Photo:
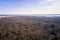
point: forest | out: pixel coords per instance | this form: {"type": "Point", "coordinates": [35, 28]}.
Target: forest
{"type": "Point", "coordinates": [29, 28]}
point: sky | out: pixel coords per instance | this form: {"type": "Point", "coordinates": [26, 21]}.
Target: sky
{"type": "Point", "coordinates": [29, 6]}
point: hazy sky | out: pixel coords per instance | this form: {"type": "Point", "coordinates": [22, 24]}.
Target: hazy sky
{"type": "Point", "coordinates": [29, 6]}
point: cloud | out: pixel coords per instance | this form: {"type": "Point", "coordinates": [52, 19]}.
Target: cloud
{"type": "Point", "coordinates": [50, 0]}
{"type": "Point", "coordinates": [46, 9]}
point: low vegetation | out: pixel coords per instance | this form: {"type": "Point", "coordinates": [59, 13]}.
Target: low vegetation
{"type": "Point", "coordinates": [30, 28]}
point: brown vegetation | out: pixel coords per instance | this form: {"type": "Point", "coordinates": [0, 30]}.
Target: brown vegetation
{"type": "Point", "coordinates": [29, 28]}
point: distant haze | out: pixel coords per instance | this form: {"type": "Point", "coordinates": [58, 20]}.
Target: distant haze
{"type": "Point", "coordinates": [38, 15]}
